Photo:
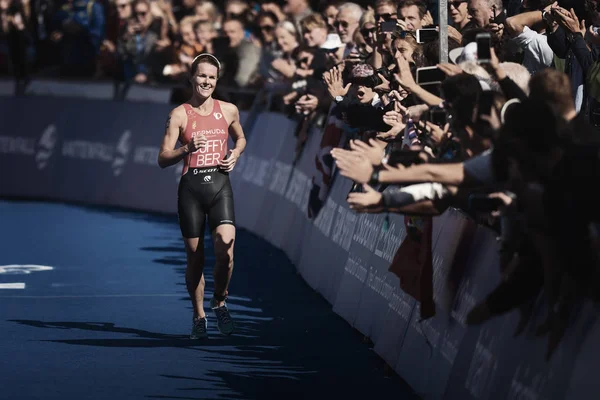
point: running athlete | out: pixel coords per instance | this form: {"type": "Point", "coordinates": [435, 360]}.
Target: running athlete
{"type": "Point", "coordinates": [203, 126]}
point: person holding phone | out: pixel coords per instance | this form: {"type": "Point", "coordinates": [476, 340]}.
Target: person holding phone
{"type": "Point", "coordinates": [488, 14]}
{"type": "Point", "coordinates": [203, 126]}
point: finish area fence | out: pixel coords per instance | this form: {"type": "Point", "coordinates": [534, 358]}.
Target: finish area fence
{"type": "Point", "coordinates": [104, 152]}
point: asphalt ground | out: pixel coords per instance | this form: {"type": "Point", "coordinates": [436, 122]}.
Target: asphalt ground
{"type": "Point", "coordinates": [109, 317]}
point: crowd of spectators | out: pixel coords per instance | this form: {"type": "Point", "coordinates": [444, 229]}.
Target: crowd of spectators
{"type": "Point", "coordinates": [507, 132]}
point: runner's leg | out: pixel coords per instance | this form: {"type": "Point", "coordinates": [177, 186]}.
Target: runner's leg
{"type": "Point", "coordinates": [223, 240]}
{"type": "Point", "coordinates": [194, 274]}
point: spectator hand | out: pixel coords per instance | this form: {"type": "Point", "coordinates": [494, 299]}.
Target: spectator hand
{"type": "Point", "coordinates": [415, 112]}
{"type": "Point", "coordinates": [368, 202]}
{"type": "Point", "coordinates": [436, 133]}
{"type": "Point", "coordinates": [162, 44]}
{"type": "Point", "coordinates": [307, 104]}
{"type": "Point", "coordinates": [109, 46]}
{"type": "Point", "coordinates": [284, 67]}
{"type": "Point", "coordinates": [506, 199]}
{"type": "Point", "coordinates": [289, 98]}
{"type": "Point", "coordinates": [335, 84]}
{"type": "Point", "coordinates": [56, 36]}
{"type": "Point", "coordinates": [496, 29]}
{"type": "Point", "coordinates": [141, 78]}
{"type": "Point", "coordinates": [353, 165]}
{"type": "Point", "coordinates": [373, 150]}
{"type": "Point", "coordinates": [593, 37]}
{"type": "Point", "coordinates": [185, 59]}
{"type": "Point", "coordinates": [384, 86]}
{"type": "Point", "coordinates": [228, 164]}
{"type": "Point", "coordinates": [404, 77]}
{"type": "Point", "coordinates": [570, 21]}
{"type": "Point", "coordinates": [275, 9]}
{"type": "Point", "coordinates": [427, 19]}
{"type": "Point", "coordinates": [304, 73]}
{"type": "Point", "coordinates": [454, 34]}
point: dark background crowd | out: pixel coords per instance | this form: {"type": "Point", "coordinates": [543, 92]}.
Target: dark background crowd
{"type": "Point", "coordinates": [506, 130]}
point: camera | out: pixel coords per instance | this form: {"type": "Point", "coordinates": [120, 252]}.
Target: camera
{"type": "Point", "coordinates": [438, 116]}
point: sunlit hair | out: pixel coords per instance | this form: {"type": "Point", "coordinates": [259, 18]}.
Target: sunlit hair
{"type": "Point", "coordinates": [313, 21]}
{"type": "Point", "coordinates": [205, 58]}
{"type": "Point", "coordinates": [518, 73]}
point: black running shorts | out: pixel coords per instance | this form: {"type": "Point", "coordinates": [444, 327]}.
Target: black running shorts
{"type": "Point", "coordinates": [204, 192]}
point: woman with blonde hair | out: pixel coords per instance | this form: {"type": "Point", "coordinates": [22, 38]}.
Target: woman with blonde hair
{"type": "Point", "coordinates": [287, 39]}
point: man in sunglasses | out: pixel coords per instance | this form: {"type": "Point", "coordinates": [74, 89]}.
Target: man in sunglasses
{"type": "Point", "coordinates": [346, 23]}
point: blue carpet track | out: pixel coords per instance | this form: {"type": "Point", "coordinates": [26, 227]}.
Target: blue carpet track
{"type": "Point", "coordinates": [110, 319]}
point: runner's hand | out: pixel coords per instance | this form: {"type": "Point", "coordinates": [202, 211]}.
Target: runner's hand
{"type": "Point", "coordinates": [197, 143]}
{"type": "Point", "coordinates": [229, 163]}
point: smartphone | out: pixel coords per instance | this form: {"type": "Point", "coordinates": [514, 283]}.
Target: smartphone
{"type": "Point", "coordinates": [404, 157]}
{"type": "Point", "coordinates": [430, 75]}
{"type": "Point", "coordinates": [438, 116]}
{"type": "Point", "coordinates": [427, 35]}
{"type": "Point", "coordinates": [390, 106]}
{"type": "Point", "coordinates": [486, 102]}
{"type": "Point", "coordinates": [482, 203]}
{"type": "Point", "coordinates": [389, 26]}
{"type": "Point", "coordinates": [484, 45]}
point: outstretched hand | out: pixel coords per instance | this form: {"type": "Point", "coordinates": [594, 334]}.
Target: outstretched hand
{"type": "Point", "coordinates": [371, 201]}
{"type": "Point", "coordinates": [353, 165]}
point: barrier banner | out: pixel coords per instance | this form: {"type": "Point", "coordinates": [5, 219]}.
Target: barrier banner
{"type": "Point", "coordinates": [103, 152]}
{"type": "Point", "coordinates": [92, 151]}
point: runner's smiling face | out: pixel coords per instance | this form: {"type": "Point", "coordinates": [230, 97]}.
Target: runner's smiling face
{"type": "Point", "coordinates": [205, 79]}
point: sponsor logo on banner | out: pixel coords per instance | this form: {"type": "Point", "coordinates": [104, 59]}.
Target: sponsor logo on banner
{"type": "Point", "coordinates": [521, 390]}
{"type": "Point", "coordinates": [484, 365]}
{"type": "Point", "coordinates": [297, 189]}
{"type": "Point", "coordinates": [324, 219]}
{"type": "Point", "coordinates": [45, 147]}
{"type": "Point", "coordinates": [355, 267]}
{"type": "Point", "coordinates": [257, 171]}
{"type": "Point", "coordinates": [17, 145]}
{"type": "Point", "coordinates": [367, 230]}
{"type": "Point", "coordinates": [343, 230]}
{"type": "Point", "coordinates": [281, 176]}
{"type": "Point", "coordinates": [401, 304]}
{"type": "Point", "coordinates": [122, 150]}
{"type": "Point", "coordinates": [41, 150]}
{"type": "Point", "coordinates": [377, 281]}
{"type": "Point", "coordinates": [388, 242]}
{"type": "Point", "coordinates": [117, 155]}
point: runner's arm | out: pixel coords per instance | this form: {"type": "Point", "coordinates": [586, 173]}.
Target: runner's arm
{"type": "Point", "coordinates": [237, 132]}
{"type": "Point", "coordinates": [168, 154]}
